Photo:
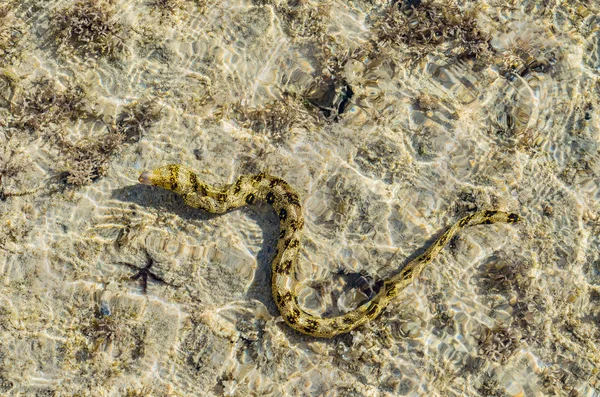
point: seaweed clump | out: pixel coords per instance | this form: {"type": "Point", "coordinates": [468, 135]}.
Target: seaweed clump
{"type": "Point", "coordinates": [44, 107]}
{"type": "Point", "coordinates": [166, 8]}
{"type": "Point", "coordinates": [505, 276]}
{"type": "Point", "coordinates": [498, 343]}
{"type": "Point", "coordinates": [89, 28]}
{"type": "Point", "coordinates": [135, 119]}
{"type": "Point", "coordinates": [428, 27]}
{"type": "Point", "coordinates": [276, 119]}
{"type": "Point", "coordinates": [87, 160]}
{"type": "Point", "coordinates": [11, 32]}
{"type": "Point", "coordinates": [13, 162]}
{"type": "Point", "coordinates": [489, 386]}
{"type": "Point", "coordinates": [46, 103]}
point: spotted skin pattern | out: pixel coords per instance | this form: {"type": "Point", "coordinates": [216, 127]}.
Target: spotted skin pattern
{"type": "Point", "coordinates": [248, 189]}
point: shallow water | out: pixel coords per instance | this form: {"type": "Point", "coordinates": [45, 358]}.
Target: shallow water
{"type": "Point", "coordinates": [390, 123]}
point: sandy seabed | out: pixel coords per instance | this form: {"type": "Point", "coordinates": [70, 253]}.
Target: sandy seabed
{"type": "Point", "coordinates": [391, 119]}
